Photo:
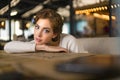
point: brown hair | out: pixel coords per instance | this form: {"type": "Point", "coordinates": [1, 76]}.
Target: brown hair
{"type": "Point", "coordinates": [55, 19]}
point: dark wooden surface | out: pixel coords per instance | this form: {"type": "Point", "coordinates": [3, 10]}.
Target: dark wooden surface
{"type": "Point", "coordinates": [41, 66]}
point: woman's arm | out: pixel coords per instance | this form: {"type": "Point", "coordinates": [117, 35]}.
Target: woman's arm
{"type": "Point", "coordinates": [70, 42]}
{"type": "Point", "coordinates": [50, 48]}
{"type": "Point", "coordinates": [18, 46]}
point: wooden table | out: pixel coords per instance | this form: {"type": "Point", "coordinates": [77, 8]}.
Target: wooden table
{"type": "Point", "coordinates": [42, 66]}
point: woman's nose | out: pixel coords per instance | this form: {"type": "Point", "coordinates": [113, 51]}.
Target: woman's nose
{"type": "Point", "coordinates": [39, 33]}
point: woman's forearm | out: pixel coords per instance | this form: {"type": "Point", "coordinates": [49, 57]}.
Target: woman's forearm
{"type": "Point", "coordinates": [40, 47]}
{"type": "Point", "coordinates": [18, 46]}
{"type": "Point", "coordinates": [50, 48]}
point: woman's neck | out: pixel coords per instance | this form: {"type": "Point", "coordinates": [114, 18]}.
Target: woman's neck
{"type": "Point", "coordinates": [54, 43]}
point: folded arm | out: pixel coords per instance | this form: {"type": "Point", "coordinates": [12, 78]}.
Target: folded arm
{"type": "Point", "coordinates": [50, 48]}
{"type": "Point", "coordinates": [20, 47]}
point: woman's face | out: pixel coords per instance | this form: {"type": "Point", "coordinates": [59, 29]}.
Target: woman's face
{"type": "Point", "coordinates": [43, 32]}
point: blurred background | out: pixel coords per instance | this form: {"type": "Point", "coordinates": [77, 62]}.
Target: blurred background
{"type": "Point", "coordinates": [82, 18]}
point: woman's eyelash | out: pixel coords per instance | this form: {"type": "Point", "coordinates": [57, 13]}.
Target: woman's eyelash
{"type": "Point", "coordinates": [47, 30]}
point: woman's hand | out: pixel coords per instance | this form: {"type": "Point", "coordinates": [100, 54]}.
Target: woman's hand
{"type": "Point", "coordinates": [50, 48]}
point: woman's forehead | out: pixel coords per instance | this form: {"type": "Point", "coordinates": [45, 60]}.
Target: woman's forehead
{"type": "Point", "coordinates": [44, 22]}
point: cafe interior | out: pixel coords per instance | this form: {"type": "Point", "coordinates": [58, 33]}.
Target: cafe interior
{"type": "Point", "coordinates": [95, 24]}
{"type": "Point", "coordinates": [82, 18]}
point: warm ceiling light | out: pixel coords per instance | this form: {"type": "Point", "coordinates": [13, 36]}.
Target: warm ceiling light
{"type": "Point", "coordinates": [102, 16]}
{"type": "Point", "coordinates": [32, 11]}
{"type": "Point", "coordinates": [13, 13]}
{"type": "Point", "coordinates": [6, 8]}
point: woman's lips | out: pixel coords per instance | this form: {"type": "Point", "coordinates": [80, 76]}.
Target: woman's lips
{"type": "Point", "coordinates": [38, 40]}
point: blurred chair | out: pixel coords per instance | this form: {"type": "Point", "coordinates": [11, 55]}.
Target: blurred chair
{"type": "Point", "coordinates": [103, 45]}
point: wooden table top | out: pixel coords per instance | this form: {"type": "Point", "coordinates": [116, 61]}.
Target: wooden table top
{"type": "Point", "coordinates": [43, 65]}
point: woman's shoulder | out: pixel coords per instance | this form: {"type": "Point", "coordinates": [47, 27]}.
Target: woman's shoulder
{"type": "Point", "coordinates": [67, 37]}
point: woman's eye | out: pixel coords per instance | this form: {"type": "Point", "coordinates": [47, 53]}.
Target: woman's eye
{"type": "Point", "coordinates": [46, 31]}
{"type": "Point", "coordinates": [36, 27]}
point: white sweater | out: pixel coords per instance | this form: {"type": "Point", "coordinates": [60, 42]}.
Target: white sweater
{"type": "Point", "coordinates": [66, 41]}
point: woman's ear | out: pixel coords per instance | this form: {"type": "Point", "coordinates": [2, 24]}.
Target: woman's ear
{"type": "Point", "coordinates": [55, 38]}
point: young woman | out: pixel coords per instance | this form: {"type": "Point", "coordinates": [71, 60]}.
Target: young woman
{"type": "Point", "coordinates": [47, 36]}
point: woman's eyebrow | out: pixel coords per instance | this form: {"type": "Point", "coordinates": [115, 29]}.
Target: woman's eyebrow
{"type": "Point", "coordinates": [37, 25]}
{"type": "Point", "coordinates": [44, 27]}
{"type": "Point", "coordinates": [47, 28]}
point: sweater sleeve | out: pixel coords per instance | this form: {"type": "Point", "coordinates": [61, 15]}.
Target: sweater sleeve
{"type": "Point", "coordinates": [69, 42]}
{"type": "Point", "coordinates": [19, 47]}
{"type": "Point", "coordinates": [74, 47]}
